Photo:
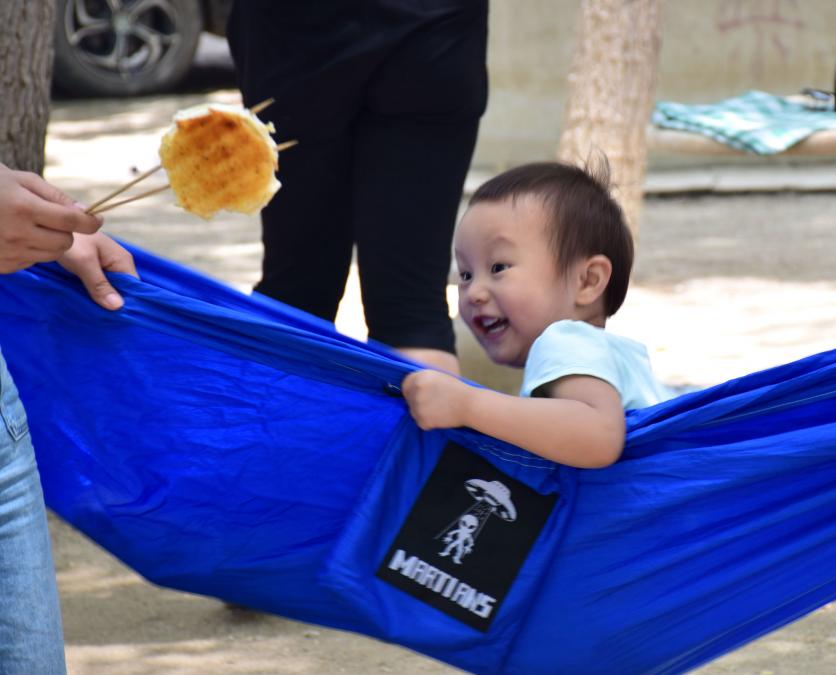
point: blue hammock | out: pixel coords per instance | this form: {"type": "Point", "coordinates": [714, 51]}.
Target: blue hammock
{"type": "Point", "coordinates": [230, 446]}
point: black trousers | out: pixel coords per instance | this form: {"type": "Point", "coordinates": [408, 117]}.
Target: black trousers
{"type": "Point", "coordinates": [384, 97]}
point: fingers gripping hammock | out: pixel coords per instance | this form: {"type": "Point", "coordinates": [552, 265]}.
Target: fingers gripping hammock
{"type": "Point", "coordinates": [228, 445]}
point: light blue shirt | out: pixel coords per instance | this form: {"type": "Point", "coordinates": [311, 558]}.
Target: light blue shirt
{"type": "Point", "coordinates": [579, 348]}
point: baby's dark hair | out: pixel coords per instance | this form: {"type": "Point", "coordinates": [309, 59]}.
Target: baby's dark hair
{"type": "Point", "coordinates": [585, 219]}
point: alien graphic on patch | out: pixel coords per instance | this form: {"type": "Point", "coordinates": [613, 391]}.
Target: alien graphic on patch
{"type": "Point", "coordinates": [490, 498]}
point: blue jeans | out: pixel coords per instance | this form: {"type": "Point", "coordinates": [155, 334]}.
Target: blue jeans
{"type": "Point", "coordinates": [31, 640]}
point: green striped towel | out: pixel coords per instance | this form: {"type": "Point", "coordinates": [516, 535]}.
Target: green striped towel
{"type": "Point", "coordinates": [755, 121]}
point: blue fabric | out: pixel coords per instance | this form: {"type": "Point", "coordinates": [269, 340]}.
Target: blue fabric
{"type": "Point", "coordinates": [230, 446]}
{"type": "Point", "coordinates": [579, 348]}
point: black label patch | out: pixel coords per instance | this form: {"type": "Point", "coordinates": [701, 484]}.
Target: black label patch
{"type": "Point", "coordinates": [466, 537]}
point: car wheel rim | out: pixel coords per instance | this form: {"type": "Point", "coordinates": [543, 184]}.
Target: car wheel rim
{"type": "Point", "coordinates": [123, 38]}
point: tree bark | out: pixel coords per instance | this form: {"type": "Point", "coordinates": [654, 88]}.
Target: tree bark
{"type": "Point", "coordinates": [612, 85]}
{"type": "Point", "coordinates": [26, 50]}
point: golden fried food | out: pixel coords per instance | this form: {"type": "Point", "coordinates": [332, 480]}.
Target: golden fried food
{"type": "Point", "coordinates": [218, 157]}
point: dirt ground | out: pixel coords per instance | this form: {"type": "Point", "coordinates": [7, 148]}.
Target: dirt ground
{"type": "Point", "coordinates": [724, 285]}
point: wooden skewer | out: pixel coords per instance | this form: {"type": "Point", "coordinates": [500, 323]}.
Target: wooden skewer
{"type": "Point", "coordinates": [92, 208]}
{"type": "Point", "coordinates": [286, 145]}
{"type": "Point", "coordinates": [113, 205]}
{"type": "Point", "coordinates": [258, 107]}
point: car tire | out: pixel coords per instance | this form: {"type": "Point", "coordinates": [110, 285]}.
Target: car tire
{"type": "Point", "coordinates": [146, 47]}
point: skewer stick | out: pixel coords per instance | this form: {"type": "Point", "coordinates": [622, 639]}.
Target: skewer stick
{"type": "Point", "coordinates": [92, 208]}
{"type": "Point", "coordinates": [142, 195]}
{"type": "Point", "coordinates": [258, 107]}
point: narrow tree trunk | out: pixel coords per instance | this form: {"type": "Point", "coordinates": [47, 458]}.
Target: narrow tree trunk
{"type": "Point", "coordinates": [26, 47]}
{"type": "Point", "coordinates": [611, 92]}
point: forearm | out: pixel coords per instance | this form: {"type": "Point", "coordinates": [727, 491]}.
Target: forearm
{"type": "Point", "coordinates": [563, 430]}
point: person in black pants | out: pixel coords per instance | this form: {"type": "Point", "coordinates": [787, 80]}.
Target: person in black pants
{"type": "Point", "coordinates": [384, 97]}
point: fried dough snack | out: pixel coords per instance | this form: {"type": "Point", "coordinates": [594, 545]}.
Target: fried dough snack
{"type": "Point", "coordinates": [220, 156]}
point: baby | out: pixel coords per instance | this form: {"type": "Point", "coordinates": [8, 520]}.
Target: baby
{"type": "Point", "coordinates": [544, 258]}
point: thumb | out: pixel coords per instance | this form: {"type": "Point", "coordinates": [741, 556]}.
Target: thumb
{"type": "Point", "coordinates": [43, 189]}
{"type": "Point", "coordinates": [99, 288]}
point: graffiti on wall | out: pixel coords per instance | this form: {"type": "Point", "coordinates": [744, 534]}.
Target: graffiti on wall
{"type": "Point", "coordinates": [761, 31]}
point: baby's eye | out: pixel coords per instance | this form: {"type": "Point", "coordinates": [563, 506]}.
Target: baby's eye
{"type": "Point", "coordinates": [496, 268]}
{"type": "Point", "coordinates": [465, 276]}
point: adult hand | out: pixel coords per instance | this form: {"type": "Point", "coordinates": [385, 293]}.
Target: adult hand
{"type": "Point", "coordinates": [88, 258]}
{"type": "Point", "coordinates": [37, 220]}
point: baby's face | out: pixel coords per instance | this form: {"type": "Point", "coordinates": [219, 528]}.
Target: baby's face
{"type": "Point", "coordinates": [509, 286]}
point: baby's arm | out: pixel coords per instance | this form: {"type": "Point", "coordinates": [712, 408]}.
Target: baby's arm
{"type": "Point", "coordinates": [579, 423]}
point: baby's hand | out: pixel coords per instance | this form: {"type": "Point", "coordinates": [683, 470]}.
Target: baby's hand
{"type": "Point", "coordinates": [436, 400]}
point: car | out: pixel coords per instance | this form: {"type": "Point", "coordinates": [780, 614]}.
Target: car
{"type": "Point", "coordinates": [130, 47]}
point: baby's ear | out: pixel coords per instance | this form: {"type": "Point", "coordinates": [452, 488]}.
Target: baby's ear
{"type": "Point", "coordinates": [594, 276]}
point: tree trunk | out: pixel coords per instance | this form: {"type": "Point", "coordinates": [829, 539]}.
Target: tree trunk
{"type": "Point", "coordinates": [611, 92]}
{"type": "Point", "coordinates": [26, 47]}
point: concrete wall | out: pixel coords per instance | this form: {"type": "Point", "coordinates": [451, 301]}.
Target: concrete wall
{"type": "Point", "coordinates": [711, 49]}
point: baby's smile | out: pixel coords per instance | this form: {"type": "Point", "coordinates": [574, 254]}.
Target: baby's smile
{"type": "Point", "coordinates": [490, 325]}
